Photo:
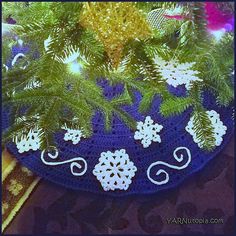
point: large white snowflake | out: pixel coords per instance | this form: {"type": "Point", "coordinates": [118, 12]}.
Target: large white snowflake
{"type": "Point", "coordinates": [73, 135]}
{"type": "Point", "coordinates": [30, 141]}
{"type": "Point", "coordinates": [217, 124]}
{"type": "Point", "coordinates": [147, 132]}
{"type": "Point", "coordinates": [176, 73]}
{"type": "Point", "coordinates": [115, 170]}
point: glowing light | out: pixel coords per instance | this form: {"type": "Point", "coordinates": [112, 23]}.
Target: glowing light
{"type": "Point", "coordinates": [8, 28]}
{"type": "Point", "coordinates": [75, 67]}
{"type": "Point", "coordinates": [71, 58]}
{"type": "Point", "coordinates": [47, 43]}
{"type": "Point", "coordinates": [218, 34]}
{"type": "Point", "coordinates": [20, 42]}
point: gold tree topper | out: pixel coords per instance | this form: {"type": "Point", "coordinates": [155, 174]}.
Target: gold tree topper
{"type": "Point", "coordinates": [115, 23]}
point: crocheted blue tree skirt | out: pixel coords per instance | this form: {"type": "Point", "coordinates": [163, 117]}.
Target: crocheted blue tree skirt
{"type": "Point", "coordinates": [173, 135]}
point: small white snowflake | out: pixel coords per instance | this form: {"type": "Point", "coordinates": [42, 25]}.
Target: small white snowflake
{"type": "Point", "coordinates": [217, 124]}
{"type": "Point", "coordinates": [115, 170]}
{"type": "Point", "coordinates": [176, 73]}
{"type": "Point", "coordinates": [73, 135]}
{"type": "Point", "coordinates": [148, 132]}
{"type": "Point", "coordinates": [30, 141]}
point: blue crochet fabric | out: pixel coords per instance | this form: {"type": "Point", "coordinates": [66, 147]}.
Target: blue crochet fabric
{"type": "Point", "coordinates": [173, 135]}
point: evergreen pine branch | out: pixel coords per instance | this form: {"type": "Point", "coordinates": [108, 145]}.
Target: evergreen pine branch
{"type": "Point", "coordinates": [46, 139]}
{"type": "Point", "coordinates": [139, 63]}
{"type": "Point", "coordinates": [82, 97]}
{"type": "Point", "coordinates": [203, 128]}
{"type": "Point", "coordinates": [216, 74]}
{"type": "Point", "coordinates": [49, 120]}
{"type": "Point", "coordinates": [200, 21]}
{"type": "Point", "coordinates": [194, 38]}
{"type": "Point", "coordinates": [17, 128]}
{"type": "Point", "coordinates": [123, 99]}
{"type": "Point", "coordinates": [126, 118]}
{"type": "Point", "coordinates": [175, 105]}
{"type": "Point", "coordinates": [201, 123]}
{"type": "Point", "coordinates": [146, 101]}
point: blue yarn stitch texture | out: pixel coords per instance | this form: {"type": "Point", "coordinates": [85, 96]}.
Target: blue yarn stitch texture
{"type": "Point", "coordinates": [173, 135]}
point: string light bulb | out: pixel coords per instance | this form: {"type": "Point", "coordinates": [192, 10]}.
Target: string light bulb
{"type": "Point", "coordinates": [69, 59]}
{"type": "Point", "coordinates": [20, 42]}
{"type": "Point", "coordinates": [218, 34]}
{"type": "Point", "coordinates": [75, 67]}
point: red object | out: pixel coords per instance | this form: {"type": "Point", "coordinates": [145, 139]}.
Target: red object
{"type": "Point", "coordinates": [176, 17]}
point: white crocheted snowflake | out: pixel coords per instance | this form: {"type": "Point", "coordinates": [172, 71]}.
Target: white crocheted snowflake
{"type": "Point", "coordinates": [147, 132]}
{"type": "Point", "coordinates": [30, 141]}
{"type": "Point", "coordinates": [73, 135]}
{"type": "Point", "coordinates": [176, 73]}
{"type": "Point", "coordinates": [115, 170]}
{"type": "Point", "coordinates": [217, 124]}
